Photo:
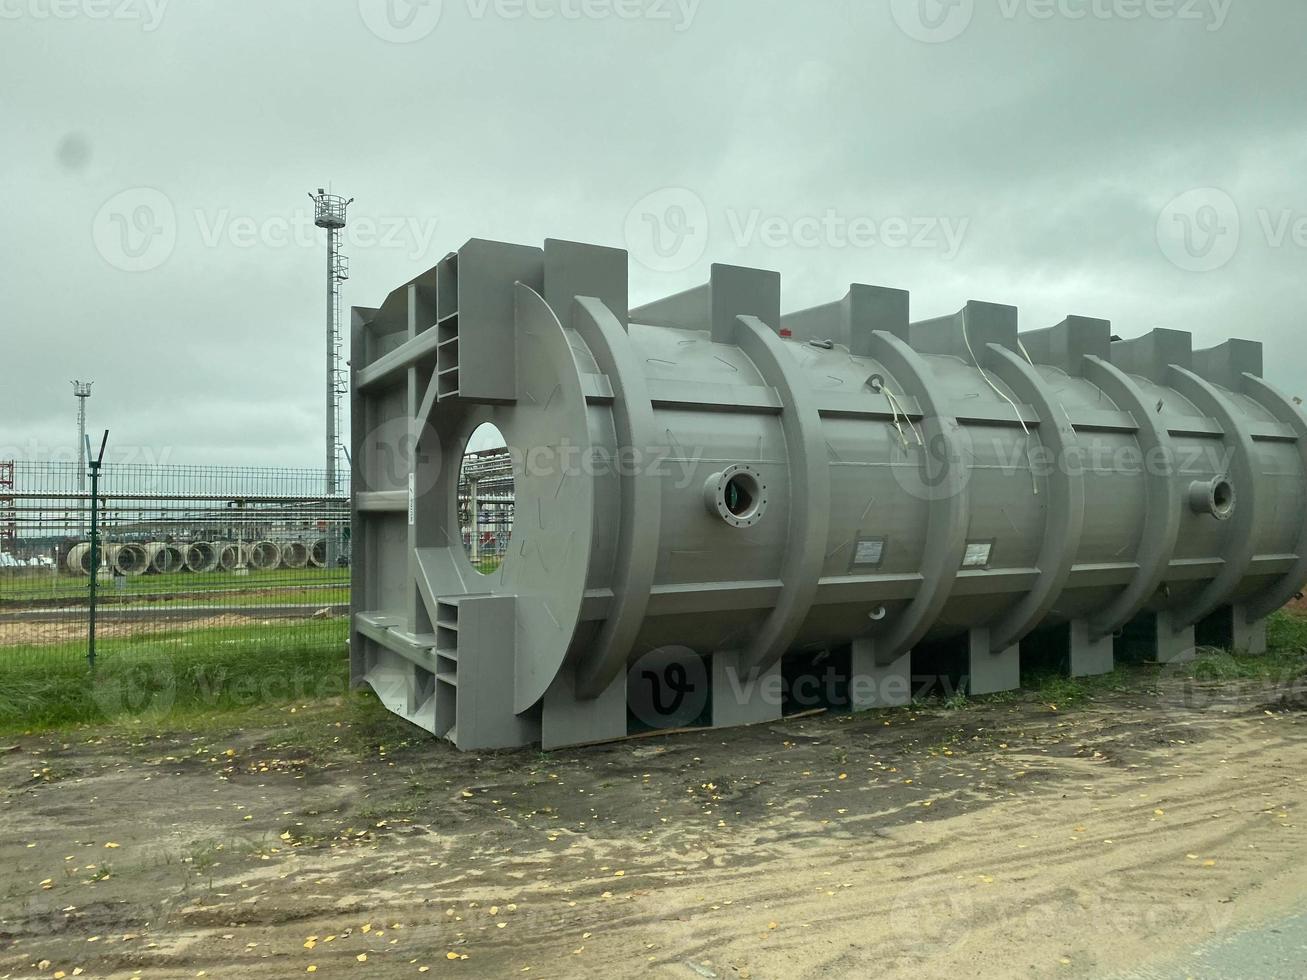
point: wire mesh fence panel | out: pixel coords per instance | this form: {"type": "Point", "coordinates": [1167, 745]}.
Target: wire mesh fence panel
{"type": "Point", "coordinates": [485, 507]}
{"type": "Point", "coordinates": [192, 560]}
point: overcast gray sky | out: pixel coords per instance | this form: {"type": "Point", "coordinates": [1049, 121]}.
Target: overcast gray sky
{"type": "Point", "coordinates": [1137, 160]}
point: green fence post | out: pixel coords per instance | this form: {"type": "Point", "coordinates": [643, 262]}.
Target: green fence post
{"type": "Point", "coordinates": [95, 544]}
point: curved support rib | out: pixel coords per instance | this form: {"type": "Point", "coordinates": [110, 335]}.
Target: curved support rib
{"type": "Point", "coordinates": [1162, 494]}
{"type": "Point", "coordinates": [1238, 555]}
{"type": "Point", "coordinates": [809, 492]}
{"type": "Point", "coordinates": [1275, 596]}
{"type": "Point", "coordinates": [946, 530]}
{"type": "Point", "coordinates": [1065, 505]}
{"type": "Point", "coordinates": [641, 497]}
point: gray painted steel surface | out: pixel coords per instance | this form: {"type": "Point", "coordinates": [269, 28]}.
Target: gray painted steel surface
{"type": "Point", "coordinates": [705, 476]}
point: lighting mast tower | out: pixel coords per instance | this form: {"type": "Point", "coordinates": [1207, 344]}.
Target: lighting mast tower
{"type": "Point", "coordinates": [329, 213]}
{"type": "Point", "coordinates": [82, 391]}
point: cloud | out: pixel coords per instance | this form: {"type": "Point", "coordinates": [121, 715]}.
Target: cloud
{"type": "Point", "coordinates": [1059, 139]}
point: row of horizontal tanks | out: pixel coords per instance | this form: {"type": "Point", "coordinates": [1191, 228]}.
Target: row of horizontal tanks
{"type": "Point", "coordinates": [166, 557]}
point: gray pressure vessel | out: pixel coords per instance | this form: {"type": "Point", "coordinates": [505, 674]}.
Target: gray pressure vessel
{"type": "Point", "coordinates": [704, 487]}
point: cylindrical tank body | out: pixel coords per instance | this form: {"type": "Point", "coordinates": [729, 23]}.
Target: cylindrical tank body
{"type": "Point", "coordinates": [705, 475]}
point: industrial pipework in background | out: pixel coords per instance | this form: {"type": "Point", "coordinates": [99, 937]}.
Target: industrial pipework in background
{"type": "Point", "coordinates": [711, 497]}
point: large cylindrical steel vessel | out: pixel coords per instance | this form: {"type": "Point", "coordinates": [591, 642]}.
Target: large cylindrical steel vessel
{"type": "Point", "coordinates": [705, 484]}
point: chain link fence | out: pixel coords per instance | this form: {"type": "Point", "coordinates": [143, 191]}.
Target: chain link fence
{"type": "Point", "coordinates": [189, 556]}
{"type": "Point", "coordinates": [215, 586]}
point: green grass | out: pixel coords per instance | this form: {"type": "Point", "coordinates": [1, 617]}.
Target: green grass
{"type": "Point", "coordinates": [173, 677]}
{"type": "Point", "coordinates": [223, 677]}
{"type": "Point", "coordinates": [1286, 634]}
{"type": "Point", "coordinates": [1284, 660]}
{"type": "Point", "coordinates": [37, 584]}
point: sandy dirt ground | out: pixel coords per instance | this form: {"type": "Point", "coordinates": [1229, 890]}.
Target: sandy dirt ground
{"type": "Point", "coordinates": [72, 629]}
{"type": "Point", "coordinates": [1017, 839]}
